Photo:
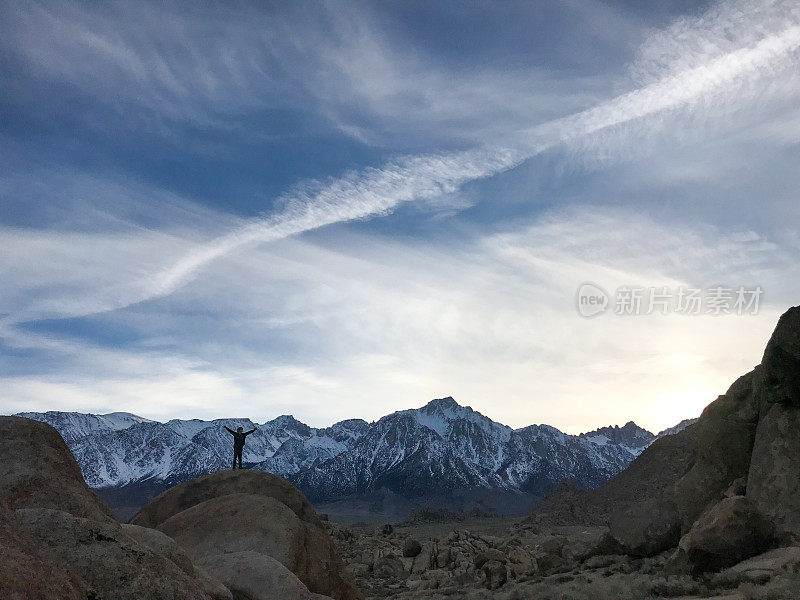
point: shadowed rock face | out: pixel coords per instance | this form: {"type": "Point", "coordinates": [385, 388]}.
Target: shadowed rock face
{"type": "Point", "coordinates": [779, 381]}
{"type": "Point", "coordinates": [725, 534]}
{"type": "Point", "coordinates": [647, 528]}
{"type": "Point", "coordinates": [107, 559]}
{"type": "Point", "coordinates": [250, 512]}
{"type": "Point", "coordinates": [655, 470]}
{"type": "Point", "coordinates": [26, 572]}
{"type": "Point", "coordinates": [774, 477]}
{"type": "Point", "coordinates": [750, 434]}
{"type": "Point", "coordinates": [773, 483]}
{"type": "Point", "coordinates": [60, 534]}
{"type": "Point", "coordinates": [256, 576]}
{"type": "Point", "coordinates": [38, 470]}
{"type": "Point", "coordinates": [724, 437]}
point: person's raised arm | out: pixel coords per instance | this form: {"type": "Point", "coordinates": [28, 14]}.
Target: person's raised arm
{"type": "Point", "coordinates": [251, 431]}
{"type": "Point", "coordinates": [229, 429]}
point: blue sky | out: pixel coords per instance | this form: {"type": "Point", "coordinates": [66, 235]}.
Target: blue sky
{"type": "Point", "coordinates": [344, 209]}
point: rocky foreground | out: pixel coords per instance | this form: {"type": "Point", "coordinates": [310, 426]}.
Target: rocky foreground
{"type": "Point", "coordinates": [555, 563]}
{"type": "Point", "coordinates": [232, 535]}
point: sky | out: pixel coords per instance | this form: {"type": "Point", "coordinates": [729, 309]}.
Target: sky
{"type": "Point", "coordinates": [338, 209]}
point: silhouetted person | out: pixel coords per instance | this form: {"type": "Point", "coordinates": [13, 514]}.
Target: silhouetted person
{"type": "Point", "coordinates": [238, 443]}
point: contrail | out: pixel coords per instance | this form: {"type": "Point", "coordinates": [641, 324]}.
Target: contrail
{"type": "Point", "coordinates": [376, 192]}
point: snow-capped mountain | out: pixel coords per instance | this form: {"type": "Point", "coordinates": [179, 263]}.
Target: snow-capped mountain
{"type": "Point", "coordinates": [433, 451]}
{"type": "Point", "coordinates": [629, 435]}
{"type": "Point", "coordinates": [119, 449]}
{"type": "Point", "coordinates": [73, 425]}
{"type": "Point", "coordinates": [443, 447]}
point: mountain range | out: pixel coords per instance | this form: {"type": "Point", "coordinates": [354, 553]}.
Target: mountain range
{"type": "Point", "coordinates": [433, 454]}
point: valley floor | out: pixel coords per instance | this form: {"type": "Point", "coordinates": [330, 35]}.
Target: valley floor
{"type": "Point", "coordinates": [500, 559]}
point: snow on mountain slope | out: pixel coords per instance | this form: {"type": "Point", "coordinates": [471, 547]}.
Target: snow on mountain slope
{"type": "Point", "coordinates": [73, 425]}
{"type": "Point", "coordinates": [296, 454]}
{"type": "Point", "coordinates": [437, 450]}
{"type": "Point", "coordinates": [676, 429]}
{"type": "Point", "coordinates": [630, 435]}
{"type": "Point", "coordinates": [539, 456]}
{"type": "Point", "coordinates": [143, 451]}
{"type": "Point", "coordinates": [121, 448]}
{"type": "Point", "coordinates": [444, 447]}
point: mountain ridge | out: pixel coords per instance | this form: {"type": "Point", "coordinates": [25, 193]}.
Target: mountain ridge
{"type": "Point", "coordinates": [436, 451]}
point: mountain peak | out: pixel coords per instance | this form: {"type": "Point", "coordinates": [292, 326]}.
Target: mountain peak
{"type": "Point", "coordinates": [629, 434]}
{"type": "Point", "coordinates": [443, 403]}
{"type": "Point", "coordinates": [284, 419]}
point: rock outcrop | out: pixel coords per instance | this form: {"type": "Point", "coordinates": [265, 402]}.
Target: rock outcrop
{"type": "Point", "coordinates": [724, 535]}
{"type": "Point", "coordinates": [253, 530]}
{"type": "Point", "coordinates": [37, 470]}
{"type": "Point", "coordinates": [724, 437]}
{"type": "Point", "coordinates": [691, 487]}
{"type": "Point", "coordinates": [27, 572]}
{"type": "Point", "coordinates": [773, 484]}
{"type": "Point", "coordinates": [166, 546]}
{"type": "Point", "coordinates": [250, 512]}
{"type": "Point", "coordinates": [655, 470]}
{"type": "Point", "coordinates": [257, 576]}
{"type": "Point", "coordinates": [196, 491]}
{"type": "Point", "coordinates": [60, 541]}
{"type": "Point", "coordinates": [109, 561]}
{"type": "Point", "coordinates": [411, 548]}
{"type": "Point", "coordinates": [647, 528]}
{"type": "Point", "coordinates": [766, 565]}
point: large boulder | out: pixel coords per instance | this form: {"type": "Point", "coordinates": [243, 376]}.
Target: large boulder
{"type": "Point", "coordinates": [111, 563]}
{"type": "Point", "coordinates": [767, 565]}
{"type": "Point", "coordinates": [61, 540]}
{"type": "Point", "coordinates": [160, 543]}
{"type": "Point", "coordinates": [257, 523]}
{"type": "Point", "coordinates": [647, 528]}
{"type": "Point", "coordinates": [164, 545]}
{"type": "Point", "coordinates": [255, 576]}
{"type": "Point", "coordinates": [724, 436]}
{"type": "Point", "coordinates": [238, 523]}
{"type": "Point", "coordinates": [411, 548]}
{"type": "Point", "coordinates": [779, 380]}
{"type": "Point", "coordinates": [27, 572]}
{"type": "Point", "coordinates": [773, 483]}
{"type": "Point", "coordinates": [37, 470]}
{"type": "Point", "coordinates": [591, 542]}
{"type": "Point", "coordinates": [196, 491]}
{"type": "Point", "coordinates": [724, 535]}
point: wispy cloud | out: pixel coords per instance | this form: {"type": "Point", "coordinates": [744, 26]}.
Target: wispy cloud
{"type": "Point", "coordinates": [378, 191]}
{"type": "Point", "coordinates": [374, 325]}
